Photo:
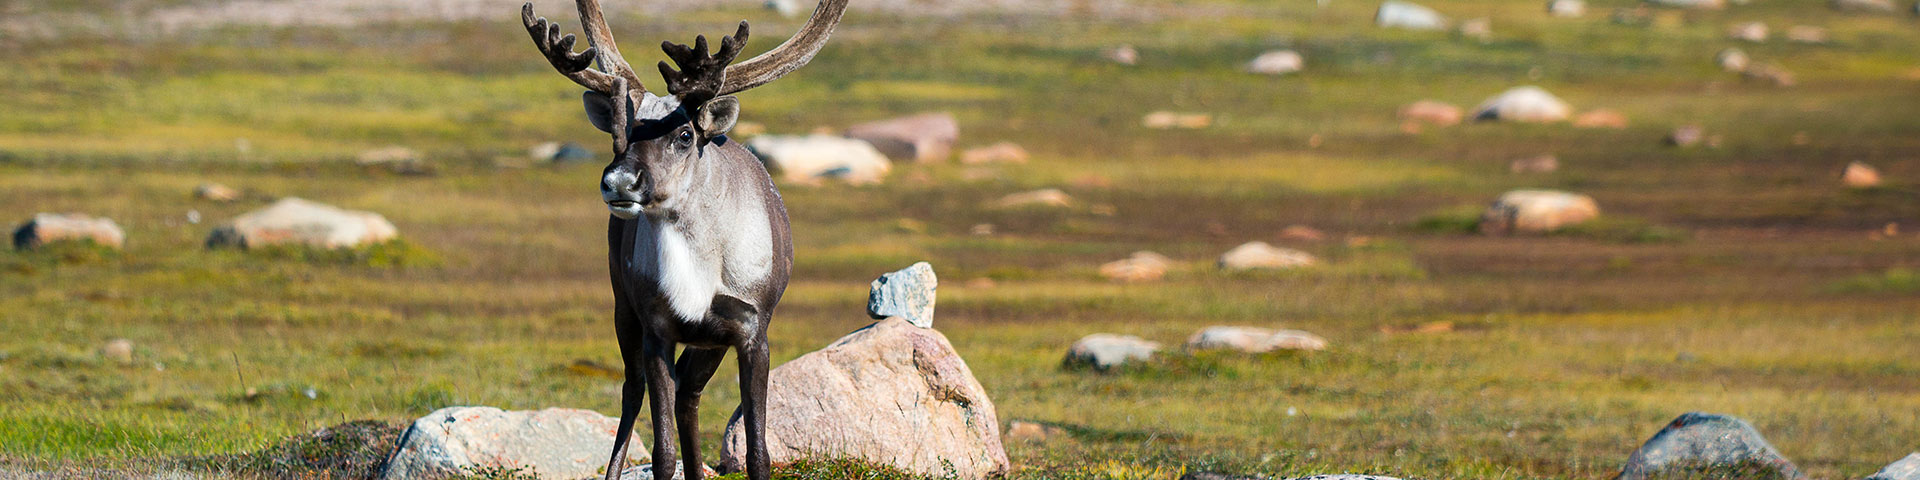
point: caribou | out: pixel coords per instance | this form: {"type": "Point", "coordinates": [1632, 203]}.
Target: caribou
{"type": "Point", "coordinates": [698, 243]}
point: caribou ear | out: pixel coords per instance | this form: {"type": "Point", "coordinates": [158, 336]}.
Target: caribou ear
{"type": "Point", "coordinates": [716, 116]}
{"type": "Point", "coordinates": [599, 110]}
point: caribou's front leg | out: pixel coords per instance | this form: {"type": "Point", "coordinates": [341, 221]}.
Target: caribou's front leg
{"type": "Point", "coordinates": [633, 390]}
{"type": "Point", "coordinates": [753, 401]}
{"type": "Point", "coordinates": [696, 366]}
{"type": "Point", "coordinates": [657, 358]}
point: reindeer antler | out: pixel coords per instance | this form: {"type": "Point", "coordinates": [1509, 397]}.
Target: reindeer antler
{"type": "Point", "coordinates": [701, 76]}
{"type": "Point", "coordinates": [617, 81]}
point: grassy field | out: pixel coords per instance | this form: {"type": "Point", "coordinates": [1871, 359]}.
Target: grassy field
{"type": "Point", "coordinates": [1740, 279]}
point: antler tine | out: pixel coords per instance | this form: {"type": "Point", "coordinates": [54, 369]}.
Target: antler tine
{"type": "Point", "coordinates": [701, 75]}
{"type": "Point", "coordinates": [789, 56]}
{"type": "Point", "coordinates": [576, 66]}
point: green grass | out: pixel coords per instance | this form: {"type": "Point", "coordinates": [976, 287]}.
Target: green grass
{"type": "Point", "coordinates": [1741, 279]}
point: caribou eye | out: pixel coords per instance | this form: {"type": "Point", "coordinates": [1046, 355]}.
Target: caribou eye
{"type": "Point", "coordinates": [686, 137]}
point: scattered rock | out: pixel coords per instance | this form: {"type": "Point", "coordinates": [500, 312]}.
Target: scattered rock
{"type": "Point", "coordinates": [927, 137]}
{"type": "Point", "coordinates": [1253, 340]}
{"type": "Point", "coordinates": [1536, 211]}
{"type": "Point", "coordinates": [1428, 327]}
{"type": "Point", "coordinates": [1535, 164]}
{"type": "Point", "coordinates": [1860, 175]}
{"type": "Point", "coordinates": [1686, 136]}
{"type": "Point", "coordinates": [1864, 6]}
{"type": "Point", "coordinates": [1399, 14]}
{"type": "Point", "coordinates": [1808, 34]}
{"type": "Point", "coordinates": [1032, 432]}
{"type": "Point", "coordinates": [215, 192]}
{"type": "Point", "coordinates": [1431, 112]}
{"type": "Point", "coordinates": [1770, 73]}
{"type": "Point", "coordinates": [1732, 60]}
{"type": "Point", "coordinates": [1706, 441]}
{"type": "Point", "coordinates": [1749, 31]}
{"type": "Point", "coordinates": [1123, 54]}
{"type": "Point", "coordinates": [118, 350]}
{"type": "Point", "coordinates": [1691, 4]}
{"type": "Point", "coordinates": [1277, 62]}
{"type": "Point", "coordinates": [811, 158]}
{"type": "Point", "coordinates": [397, 159]}
{"type": "Point", "coordinates": [1302, 233]}
{"type": "Point", "coordinates": [747, 130]}
{"type": "Point", "coordinates": [1601, 118]}
{"type": "Point", "coordinates": [1003, 152]}
{"type": "Point", "coordinates": [1260, 255]}
{"type": "Point", "coordinates": [45, 228]}
{"type": "Point", "coordinates": [1477, 28]}
{"type": "Point", "coordinates": [645, 472]}
{"type": "Point", "coordinates": [1103, 351]}
{"type": "Point", "coordinates": [907, 293]}
{"type": "Point", "coordinates": [1164, 120]}
{"type": "Point", "coordinates": [1567, 8]}
{"type": "Point", "coordinates": [1523, 104]}
{"type": "Point", "coordinates": [1045, 197]}
{"type": "Point", "coordinates": [552, 443]}
{"type": "Point", "coordinates": [1143, 266]}
{"type": "Point", "coordinates": [786, 9]}
{"type": "Point", "coordinates": [294, 221]}
{"type": "Point", "coordinates": [981, 229]}
{"type": "Point", "coordinates": [1904, 469]}
{"type": "Point", "coordinates": [889, 393]}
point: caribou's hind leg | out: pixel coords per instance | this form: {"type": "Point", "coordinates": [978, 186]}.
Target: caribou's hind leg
{"type": "Point", "coordinates": [695, 367]}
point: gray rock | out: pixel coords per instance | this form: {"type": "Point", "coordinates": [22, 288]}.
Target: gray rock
{"type": "Point", "coordinates": [553, 443]}
{"type": "Point", "coordinates": [1523, 104]}
{"type": "Point", "coordinates": [294, 221]}
{"type": "Point", "coordinates": [1536, 211]}
{"type": "Point", "coordinates": [1905, 469]}
{"type": "Point", "coordinates": [812, 158]}
{"type": "Point", "coordinates": [927, 137]}
{"type": "Point", "coordinates": [1260, 255]}
{"type": "Point", "coordinates": [889, 393]}
{"type": "Point", "coordinates": [1732, 60]}
{"type": "Point", "coordinates": [46, 228]}
{"type": "Point", "coordinates": [1104, 351]}
{"type": "Point", "coordinates": [1398, 14]}
{"type": "Point", "coordinates": [1253, 339]}
{"type": "Point", "coordinates": [1698, 440]}
{"type": "Point", "coordinates": [1686, 136]}
{"type": "Point", "coordinates": [907, 293]}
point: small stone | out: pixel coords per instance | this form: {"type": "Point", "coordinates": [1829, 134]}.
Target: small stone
{"type": "Point", "coordinates": [1748, 31]}
{"type": "Point", "coordinates": [1732, 60]}
{"type": "Point", "coordinates": [1536, 211]}
{"type": "Point", "coordinates": [1166, 120]}
{"type": "Point", "coordinates": [1523, 104]}
{"type": "Point", "coordinates": [1003, 152]}
{"type": "Point", "coordinates": [1535, 164]}
{"type": "Point", "coordinates": [1770, 73]}
{"type": "Point", "coordinates": [551, 443]}
{"type": "Point", "coordinates": [981, 283]}
{"type": "Point", "coordinates": [1399, 14]}
{"type": "Point", "coordinates": [1103, 351]}
{"type": "Point", "coordinates": [1431, 112]}
{"type": "Point", "coordinates": [1260, 255]}
{"type": "Point", "coordinates": [1302, 233]}
{"type": "Point", "coordinates": [1904, 469]}
{"type": "Point", "coordinates": [1860, 175]}
{"type": "Point", "coordinates": [1123, 54]}
{"type": "Point", "coordinates": [1567, 8]}
{"type": "Point", "coordinates": [1253, 340]}
{"type": "Point", "coordinates": [1277, 62]}
{"type": "Point", "coordinates": [45, 228]}
{"type": "Point", "coordinates": [924, 138]}
{"type": "Point", "coordinates": [1865, 6]}
{"type": "Point", "coordinates": [907, 293]}
{"type": "Point", "coordinates": [396, 158]}
{"type": "Point", "coordinates": [1601, 118]}
{"type": "Point", "coordinates": [1705, 441]}
{"type": "Point", "coordinates": [1477, 28]}
{"type": "Point", "coordinates": [981, 229]}
{"type": "Point", "coordinates": [1808, 34]}
{"type": "Point", "coordinates": [118, 350]}
{"type": "Point", "coordinates": [294, 221]}
{"type": "Point", "coordinates": [1143, 266]}
{"type": "Point", "coordinates": [1045, 197]}
{"type": "Point", "coordinates": [215, 192]}
{"type": "Point", "coordinates": [1686, 136]}
{"type": "Point", "coordinates": [813, 158]}
{"type": "Point", "coordinates": [1026, 431]}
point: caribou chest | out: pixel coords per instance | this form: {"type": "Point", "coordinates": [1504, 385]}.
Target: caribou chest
{"type": "Point", "coordinates": [688, 266]}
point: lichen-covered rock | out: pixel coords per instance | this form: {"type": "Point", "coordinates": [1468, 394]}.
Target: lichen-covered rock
{"type": "Point", "coordinates": [890, 393]}
{"type": "Point", "coordinates": [46, 228]}
{"type": "Point", "coordinates": [1537, 211]}
{"type": "Point", "coordinates": [1704, 441]}
{"type": "Point", "coordinates": [1904, 469]}
{"type": "Point", "coordinates": [293, 221]}
{"type": "Point", "coordinates": [908, 293]}
{"type": "Point", "coordinates": [552, 443]}
{"type": "Point", "coordinates": [926, 137]}
{"type": "Point", "coordinates": [1253, 339]}
{"type": "Point", "coordinates": [1523, 104]}
{"type": "Point", "coordinates": [1260, 255]}
{"type": "Point", "coordinates": [812, 158]}
{"type": "Point", "coordinates": [1103, 351]}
